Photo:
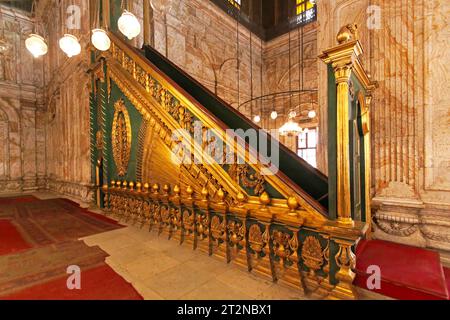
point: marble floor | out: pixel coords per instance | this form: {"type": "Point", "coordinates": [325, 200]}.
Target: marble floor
{"type": "Point", "coordinates": [162, 269]}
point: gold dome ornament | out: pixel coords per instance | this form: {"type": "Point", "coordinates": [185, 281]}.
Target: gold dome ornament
{"type": "Point", "coordinates": [220, 195]}
{"type": "Point", "coordinates": [265, 200]}
{"type": "Point", "coordinates": [241, 198]}
{"type": "Point", "coordinates": [166, 189]}
{"type": "Point", "coordinates": [155, 188]}
{"type": "Point", "coordinates": [138, 187]}
{"type": "Point", "coordinates": [131, 185]}
{"type": "Point", "coordinates": [347, 33]}
{"type": "Point", "coordinates": [177, 190]}
{"type": "Point", "coordinates": [146, 187]}
{"type": "Point", "coordinates": [292, 205]}
{"type": "Point", "coordinates": [205, 193]}
{"type": "Point", "coordinates": [113, 183]}
{"type": "Point", "coordinates": [124, 184]}
{"type": "Point", "coordinates": [189, 191]}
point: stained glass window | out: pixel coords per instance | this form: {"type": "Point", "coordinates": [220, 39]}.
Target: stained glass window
{"type": "Point", "coordinates": [307, 146]}
{"type": "Point", "coordinates": [235, 3]}
{"type": "Point", "coordinates": [305, 11]}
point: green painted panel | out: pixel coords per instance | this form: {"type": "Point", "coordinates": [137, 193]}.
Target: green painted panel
{"type": "Point", "coordinates": [136, 122]}
{"type": "Point", "coordinates": [332, 143]}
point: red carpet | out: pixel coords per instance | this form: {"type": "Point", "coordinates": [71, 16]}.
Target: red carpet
{"type": "Point", "coordinates": [39, 240]}
{"type": "Point", "coordinates": [45, 222]}
{"type": "Point", "coordinates": [407, 273]}
{"type": "Point", "coordinates": [11, 239]}
{"type": "Point", "coordinates": [99, 283]}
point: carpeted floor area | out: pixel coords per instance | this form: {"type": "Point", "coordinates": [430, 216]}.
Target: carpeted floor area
{"type": "Point", "coordinates": [39, 240]}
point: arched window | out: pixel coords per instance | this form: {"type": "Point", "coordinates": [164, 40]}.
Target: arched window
{"type": "Point", "coordinates": [305, 11]}
{"type": "Point", "coordinates": [236, 3]}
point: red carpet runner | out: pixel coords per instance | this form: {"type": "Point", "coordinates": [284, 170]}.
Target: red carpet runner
{"type": "Point", "coordinates": [39, 240]}
{"type": "Point", "coordinates": [100, 283]}
{"type": "Point", "coordinates": [407, 273]}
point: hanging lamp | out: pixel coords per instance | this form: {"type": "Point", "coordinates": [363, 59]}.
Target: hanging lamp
{"type": "Point", "coordinates": [290, 128]}
{"type": "Point", "coordinates": [70, 45]}
{"type": "Point", "coordinates": [99, 38]}
{"type": "Point", "coordinates": [128, 24]}
{"type": "Point", "coordinates": [35, 43]}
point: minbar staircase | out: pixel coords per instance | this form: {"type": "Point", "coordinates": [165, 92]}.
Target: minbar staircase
{"type": "Point", "coordinates": [407, 273]}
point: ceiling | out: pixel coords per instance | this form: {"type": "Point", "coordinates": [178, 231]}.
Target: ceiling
{"type": "Point", "coordinates": [24, 5]}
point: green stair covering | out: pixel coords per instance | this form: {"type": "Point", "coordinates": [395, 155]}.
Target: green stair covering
{"type": "Point", "coordinates": [309, 179]}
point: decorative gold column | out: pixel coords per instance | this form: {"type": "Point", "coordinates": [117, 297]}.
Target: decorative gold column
{"type": "Point", "coordinates": [343, 59]}
{"type": "Point", "coordinates": [342, 71]}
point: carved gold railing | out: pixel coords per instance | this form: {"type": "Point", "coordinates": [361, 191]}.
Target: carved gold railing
{"type": "Point", "coordinates": [236, 234]}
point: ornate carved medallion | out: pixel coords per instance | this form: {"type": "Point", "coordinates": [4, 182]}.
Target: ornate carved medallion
{"type": "Point", "coordinates": [121, 137]}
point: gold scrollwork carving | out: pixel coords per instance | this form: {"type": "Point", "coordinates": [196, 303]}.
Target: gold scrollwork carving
{"type": "Point", "coordinates": [241, 174]}
{"type": "Point", "coordinates": [121, 137]}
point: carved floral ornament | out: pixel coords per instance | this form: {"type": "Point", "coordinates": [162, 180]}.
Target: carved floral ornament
{"type": "Point", "coordinates": [312, 254]}
{"type": "Point", "coordinates": [121, 138]}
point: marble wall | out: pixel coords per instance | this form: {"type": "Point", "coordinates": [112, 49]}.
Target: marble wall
{"type": "Point", "coordinates": [22, 141]}
{"type": "Point", "coordinates": [406, 52]}
{"type": "Point", "coordinates": [68, 168]}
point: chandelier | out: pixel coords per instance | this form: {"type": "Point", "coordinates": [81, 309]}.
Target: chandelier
{"type": "Point", "coordinates": [129, 25]}
{"type": "Point", "coordinates": [290, 128]}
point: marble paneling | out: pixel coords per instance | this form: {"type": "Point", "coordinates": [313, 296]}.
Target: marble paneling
{"type": "Point", "coordinates": [20, 97]}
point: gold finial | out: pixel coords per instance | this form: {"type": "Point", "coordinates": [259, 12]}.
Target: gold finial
{"type": "Point", "coordinates": [155, 188]}
{"type": "Point", "coordinates": [205, 193]}
{"type": "Point", "coordinates": [125, 184]}
{"type": "Point", "coordinates": [146, 187]}
{"type": "Point", "coordinates": [166, 189]}
{"type": "Point", "coordinates": [118, 184]}
{"type": "Point", "coordinates": [293, 205]}
{"type": "Point", "coordinates": [113, 183]}
{"type": "Point", "coordinates": [347, 33]}
{"type": "Point", "coordinates": [139, 187]}
{"type": "Point", "coordinates": [131, 185]}
{"type": "Point", "coordinates": [189, 191]}
{"type": "Point", "coordinates": [264, 199]}
{"type": "Point", "coordinates": [177, 190]}
{"type": "Point", "coordinates": [220, 195]}
{"type": "Point", "coordinates": [240, 198]}
{"type": "Point", "coordinates": [105, 187]}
